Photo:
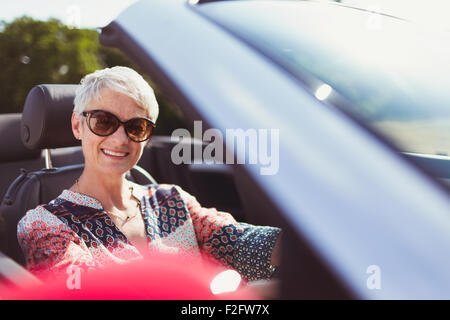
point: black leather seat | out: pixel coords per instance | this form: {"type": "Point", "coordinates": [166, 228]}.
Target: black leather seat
{"type": "Point", "coordinates": [14, 154]}
{"type": "Point", "coordinates": [45, 124]}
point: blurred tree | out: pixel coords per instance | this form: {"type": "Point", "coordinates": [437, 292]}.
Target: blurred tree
{"type": "Point", "coordinates": [34, 52]}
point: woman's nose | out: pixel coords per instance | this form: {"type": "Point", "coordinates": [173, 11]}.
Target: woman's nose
{"type": "Point", "coordinates": [120, 134]}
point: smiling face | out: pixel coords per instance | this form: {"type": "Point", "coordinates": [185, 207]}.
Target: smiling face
{"type": "Point", "coordinates": [114, 154]}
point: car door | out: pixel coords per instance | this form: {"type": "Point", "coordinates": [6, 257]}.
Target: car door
{"type": "Point", "coordinates": [359, 219]}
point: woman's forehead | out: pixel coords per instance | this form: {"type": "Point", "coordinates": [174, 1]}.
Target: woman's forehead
{"type": "Point", "coordinates": [118, 103]}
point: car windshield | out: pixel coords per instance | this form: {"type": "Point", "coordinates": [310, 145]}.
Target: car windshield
{"type": "Point", "coordinates": [392, 73]}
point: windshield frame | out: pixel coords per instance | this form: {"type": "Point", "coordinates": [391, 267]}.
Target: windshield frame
{"type": "Point", "coordinates": [336, 101]}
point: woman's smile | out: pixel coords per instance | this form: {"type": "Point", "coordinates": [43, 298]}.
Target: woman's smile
{"type": "Point", "coordinates": [114, 154]}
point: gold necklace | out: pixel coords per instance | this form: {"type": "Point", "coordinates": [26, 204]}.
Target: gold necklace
{"type": "Point", "coordinates": [128, 218]}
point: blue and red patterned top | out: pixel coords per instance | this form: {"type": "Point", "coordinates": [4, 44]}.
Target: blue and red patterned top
{"type": "Point", "coordinates": [74, 230]}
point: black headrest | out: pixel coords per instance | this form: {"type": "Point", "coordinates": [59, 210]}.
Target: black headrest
{"type": "Point", "coordinates": [10, 141]}
{"type": "Point", "coordinates": [46, 117]}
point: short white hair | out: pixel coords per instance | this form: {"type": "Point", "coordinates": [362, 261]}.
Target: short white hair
{"type": "Point", "coordinates": [119, 79]}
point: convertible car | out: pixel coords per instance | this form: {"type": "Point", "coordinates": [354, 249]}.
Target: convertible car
{"type": "Point", "coordinates": [337, 127]}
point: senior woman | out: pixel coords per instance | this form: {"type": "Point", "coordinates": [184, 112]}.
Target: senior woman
{"type": "Point", "coordinates": [104, 218]}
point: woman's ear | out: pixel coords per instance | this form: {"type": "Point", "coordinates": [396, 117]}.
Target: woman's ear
{"type": "Point", "coordinates": [76, 126]}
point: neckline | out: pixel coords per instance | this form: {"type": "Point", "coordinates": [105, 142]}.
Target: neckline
{"type": "Point", "coordinates": [91, 202]}
{"type": "Point", "coordinates": [81, 199]}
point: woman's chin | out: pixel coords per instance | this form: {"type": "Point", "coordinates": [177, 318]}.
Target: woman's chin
{"type": "Point", "coordinates": [114, 169]}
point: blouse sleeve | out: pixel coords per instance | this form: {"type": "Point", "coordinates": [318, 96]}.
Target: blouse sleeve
{"type": "Point", "coordinates": [49, 245]}
{"type": "Point", "coordinates": [246, 248]}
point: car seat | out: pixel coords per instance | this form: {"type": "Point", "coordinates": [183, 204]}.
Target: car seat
{"type": "Point", "coordinates": [46, 123]}
{"type": "Point", "coordinates": [14, 154]}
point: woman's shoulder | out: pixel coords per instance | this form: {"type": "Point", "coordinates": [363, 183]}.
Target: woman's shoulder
{"type": "Point", "coordinates": [151, 189]}
{"type": "Point", "coordinates": [38, 218]}
{"type": "Point", "coordinates": [163, 192]}
{"type": "Point", "coordinates": [161, 186]}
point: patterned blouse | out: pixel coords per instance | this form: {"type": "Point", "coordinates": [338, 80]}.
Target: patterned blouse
{"type": "Point", "coordinates": [73, 229]}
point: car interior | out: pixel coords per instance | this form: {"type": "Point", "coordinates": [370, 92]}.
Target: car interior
{"type": "Point", "coordinates": [43, 158]}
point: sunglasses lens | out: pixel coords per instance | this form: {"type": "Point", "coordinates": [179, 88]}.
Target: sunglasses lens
{"type": "Point", "coordinates": [102, 123]}
{"type": "Point", "coordinates": [139, 129]}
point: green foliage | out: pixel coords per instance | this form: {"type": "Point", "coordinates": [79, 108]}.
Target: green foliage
{"type": "Point", "coordinates": [34, 52]}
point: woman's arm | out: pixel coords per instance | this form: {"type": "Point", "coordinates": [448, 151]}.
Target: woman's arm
{"type": "Point", "coordinates": [249, 249]}
{"type": "Point", "coordinates": [276, 252]}
{"type": "Point", "coordinates": [49, 245]}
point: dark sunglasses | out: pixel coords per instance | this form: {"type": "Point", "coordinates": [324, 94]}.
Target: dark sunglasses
{"type": "Point", "coordinates": [104, 123]}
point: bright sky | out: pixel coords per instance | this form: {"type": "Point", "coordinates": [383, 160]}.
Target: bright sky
{"type": "Point", "coordinates": [78, 13]}
{"type": "Point", "coordinates": [98, 13]}
{"type": "Point", "coordinates": [434, 12]}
